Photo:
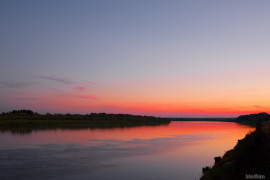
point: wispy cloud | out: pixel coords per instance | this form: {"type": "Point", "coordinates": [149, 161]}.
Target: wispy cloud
{"type": "Point", "coordinates": [57, 79]}
{"type": "Point", "coordinates": [28, 98]}
{"type": "Point", "coordinates": [86, 97]}
{"type": "Point", "coordinates": [15, 85]}
{"type": "Point", "coordinates": [80, 96]}
{"type": "Point", "coordinates": [260, 107]}
{"type": "Point", "coordinates": [92, 83]}
{"type": "Point", "coordinates": [80, 88]}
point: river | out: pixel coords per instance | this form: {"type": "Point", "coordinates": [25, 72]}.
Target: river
{"type": "Point", "coordinates": [175, 151]}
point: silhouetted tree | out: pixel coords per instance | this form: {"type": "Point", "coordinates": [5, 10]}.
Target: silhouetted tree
{"type": "Point", "coordinates": [205, 169]}
{"type": "Point", "coordinates": [217, 159]}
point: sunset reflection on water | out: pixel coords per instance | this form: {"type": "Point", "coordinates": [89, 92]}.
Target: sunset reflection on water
{"type": "Point", "coordinates": [179, 149]}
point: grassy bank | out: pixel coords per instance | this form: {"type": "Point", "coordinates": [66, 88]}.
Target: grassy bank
{"type": "Point", "coordinates": [251, 155]}
{"type": "Point", "coordinates": [24, 121]}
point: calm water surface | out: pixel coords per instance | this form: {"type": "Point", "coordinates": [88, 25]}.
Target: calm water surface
{"type": "Point", "coordinates": [175, 151]}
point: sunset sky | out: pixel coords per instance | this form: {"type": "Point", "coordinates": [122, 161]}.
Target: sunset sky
{"type": "Point", "coordinates": [149, 57]}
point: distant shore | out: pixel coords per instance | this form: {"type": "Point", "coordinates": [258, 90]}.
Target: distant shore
{"type": "Point", "coordinates": [204, 119]}
{"type": "Point", "coordinates": [23, 121]}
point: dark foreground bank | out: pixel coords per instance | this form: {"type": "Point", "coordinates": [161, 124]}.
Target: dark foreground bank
{"type": "Point", "coordinates": [250, 158]}
{"type": "Point", "coordinates": [24, 121]}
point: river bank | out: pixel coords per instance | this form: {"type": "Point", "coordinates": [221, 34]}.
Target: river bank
{"type": "Point", "coordinates": [26, 121]}
{"type": "Point", "coordinates": [250, 158]}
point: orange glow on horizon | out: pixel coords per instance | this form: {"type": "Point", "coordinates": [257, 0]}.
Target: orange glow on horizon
{"type": "Point", "coordinates": [142, 100]}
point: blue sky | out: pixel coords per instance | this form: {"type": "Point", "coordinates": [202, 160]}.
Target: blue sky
{"type": "Point", "coordinates": [187, 46]}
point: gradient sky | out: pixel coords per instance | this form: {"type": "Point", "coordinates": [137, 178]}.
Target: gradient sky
{"type": "Point", "coordinates": [162, 58]}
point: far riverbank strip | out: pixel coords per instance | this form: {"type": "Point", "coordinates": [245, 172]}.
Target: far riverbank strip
{"type": "Point", "coordinates": [26, 121]}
